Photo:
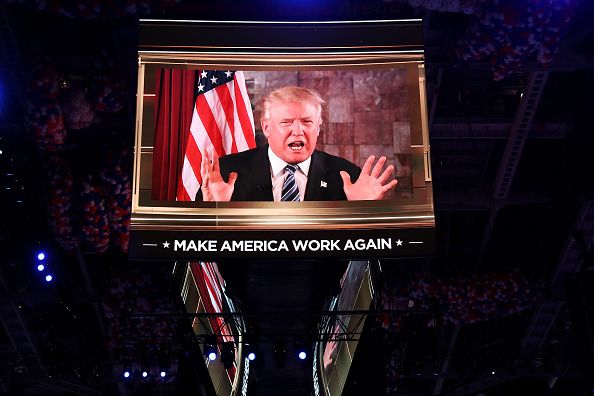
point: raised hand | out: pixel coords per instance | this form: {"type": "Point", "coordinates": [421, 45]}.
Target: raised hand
{"type": "Point", "coordinates": [372, 184]}
{"type": "Point", "coordinates": [214, 188]}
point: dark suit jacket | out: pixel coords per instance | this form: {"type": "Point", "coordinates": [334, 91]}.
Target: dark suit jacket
{"type": "Point", "coordinates": [254, 182]}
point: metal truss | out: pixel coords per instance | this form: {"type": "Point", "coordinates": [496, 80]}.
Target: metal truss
{"type": "Point", "coordinates": [345, 325]}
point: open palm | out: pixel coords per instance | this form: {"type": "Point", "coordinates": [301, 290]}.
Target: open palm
{"type": "Point", "coordinates": [372, 183]}
{"type": "Point", "coordinates": [214, 188]}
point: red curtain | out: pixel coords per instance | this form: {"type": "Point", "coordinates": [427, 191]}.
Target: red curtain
{"type": "Point", "coordinates": [173, 116]}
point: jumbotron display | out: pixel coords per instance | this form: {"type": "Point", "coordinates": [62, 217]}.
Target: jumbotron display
{"type": "Point", "coordinates": [249, 145]}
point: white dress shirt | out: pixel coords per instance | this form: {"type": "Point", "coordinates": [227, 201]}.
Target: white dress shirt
{"type": "Point", "coordinates": [277, 173]}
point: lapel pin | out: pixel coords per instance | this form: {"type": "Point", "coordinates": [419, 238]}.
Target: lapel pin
{"type": "Point", "coordinates": [323, 184]}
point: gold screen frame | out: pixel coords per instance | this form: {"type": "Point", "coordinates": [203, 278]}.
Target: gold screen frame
{"type": "Point", "coordinates": [414, 211]}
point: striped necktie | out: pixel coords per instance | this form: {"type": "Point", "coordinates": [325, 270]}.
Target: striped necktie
{"type": "Point", "coordinates": [290, 189]}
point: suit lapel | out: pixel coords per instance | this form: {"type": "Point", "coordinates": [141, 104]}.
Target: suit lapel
{"type": "Point", "coordinates": [317, 186]}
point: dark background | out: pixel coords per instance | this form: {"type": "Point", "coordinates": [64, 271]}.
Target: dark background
{"type": "Point", "coordinates": [508, 198]}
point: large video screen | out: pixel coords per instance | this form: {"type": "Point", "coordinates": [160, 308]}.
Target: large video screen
{"type": "Point", "coordinates": [306, 153]}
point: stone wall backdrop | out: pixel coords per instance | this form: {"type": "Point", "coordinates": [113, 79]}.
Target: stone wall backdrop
{"type": "Point", "coordinates": [366, 113]}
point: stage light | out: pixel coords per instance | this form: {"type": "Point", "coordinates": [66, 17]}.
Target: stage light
{"type": "Point", "coordinates": [250, 348]}
{"type": "Point", "coordinates": [40, 256]}
{"type": "Point", "coordinates": [300, 349]}
{"type": "Point", "coordinates": [228, 354]}
{"type": "Point", "coordinates": [126, 374]}
{"type": "Point", "coordinates": [492, 372]}
{"type": "Point", "coordinates": [49, 278]}
{"type": "Point", "coordinates": [210, 347]}
{"type": "Point", "coordinates": [164, 361]}
{"type": "Point", "coordinates": [144, 374]}
{"type": "Point", "coordinates": [40, 267]}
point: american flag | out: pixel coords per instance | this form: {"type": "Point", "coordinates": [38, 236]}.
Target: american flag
{"type": "Point", "coordinates": [222, 123]}
{"type": "Point", "coordinates": [209, 284]}
{"type": "Point", "coordinates": [209, 281]}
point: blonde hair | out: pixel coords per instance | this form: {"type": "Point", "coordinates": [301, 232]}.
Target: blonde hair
{"type": "Point", "coordinates": [292, 94]}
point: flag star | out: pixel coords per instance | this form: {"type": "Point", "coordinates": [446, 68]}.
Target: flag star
{"type": "Point", "coordinates": [213, 80]}
{"type": "Point", "coordinates": [203, 74]}
{"type": "Point", "coordinates": [399, 242]}
{"type": "Point", "coordinates": [228, 73]}
{"type": "Point", "coordinates": [166, 244]}
{"type": "Point", "coordinates": [200, 87]}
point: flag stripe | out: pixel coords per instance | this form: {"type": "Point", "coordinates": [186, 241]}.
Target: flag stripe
{"type": "Point", "coordinates": [201, 279]}
{"type": "Point", "coordinates": [210, 125]}
{"type": "Point", "coordinates": [228, 107]}
{"type": "Point", "coordinates": [182, 194]}
{"type": "Point", "coordinates": [245, 99]}
{"type": "Point", "coordinates": [214, 302]}
{"type": "Point", "coordinates": [200, 134]}
{"type": "Point", "coordinates": [238, 134]}
{"type": "Point", "coordinates": [208, 282]}
{"type": "Point", "coordinates": [194, 157]}
{"type": "Point", "coordinates": [189, 181]}
{"type": "Point", "coordinates": [244, 112]}
{"type": "Point", "coordinates": [218, 114]}
{"type": "Point", "coordinates": [191, 177]}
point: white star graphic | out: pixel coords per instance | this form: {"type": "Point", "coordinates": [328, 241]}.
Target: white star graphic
{"type": "Point", "coordinates": [228, 73]}
{"type": "Point", "coordinates": [166, 244]}
{"type": "Point", "coordinates": [203, 74]}
{"type": "Point", "coordinates": [200, 87]}
{"type": "Point", "coordinates": [213, 80]}
{"type": "Point", "coordinates": [399, 242]}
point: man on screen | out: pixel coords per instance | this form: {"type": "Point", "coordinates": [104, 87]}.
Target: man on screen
{"type": "Point", "coordinates": [289, 168]}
